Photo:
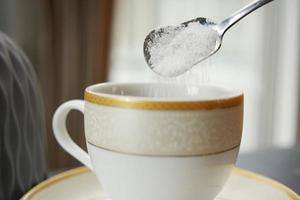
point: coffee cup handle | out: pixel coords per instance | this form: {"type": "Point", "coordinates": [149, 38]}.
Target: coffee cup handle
{"type": "Point", "coordinates": [62, 135]}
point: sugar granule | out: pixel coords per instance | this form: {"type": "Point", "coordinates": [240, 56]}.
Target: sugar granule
{"type": "Point", "coordinates": [176, 50]}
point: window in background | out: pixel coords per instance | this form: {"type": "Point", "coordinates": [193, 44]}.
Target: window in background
{"type": "Point", "coordinates": [256, 55]}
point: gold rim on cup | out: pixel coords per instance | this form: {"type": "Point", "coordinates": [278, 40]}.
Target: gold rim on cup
{"type": "Point", "coordinates": [163, 105]}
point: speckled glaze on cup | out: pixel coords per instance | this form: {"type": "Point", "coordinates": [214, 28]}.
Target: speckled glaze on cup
{"type": "Point", "coordinates": [158, 141]}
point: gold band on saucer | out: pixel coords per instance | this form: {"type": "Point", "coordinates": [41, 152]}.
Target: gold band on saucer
{"type": "Point", "coordinates": [81, 170]}
{"type": "Point", "coordinates": [163, 105]}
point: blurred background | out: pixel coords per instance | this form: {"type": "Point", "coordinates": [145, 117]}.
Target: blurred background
{"type": "Point", "coordinates": [75, 43]}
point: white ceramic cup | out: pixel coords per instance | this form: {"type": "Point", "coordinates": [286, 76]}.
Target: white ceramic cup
{"type": "Point", "coordinates": [157, 141]}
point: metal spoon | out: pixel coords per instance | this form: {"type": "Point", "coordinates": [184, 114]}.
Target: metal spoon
{"type": "Point", "coordinates": [220, 28]}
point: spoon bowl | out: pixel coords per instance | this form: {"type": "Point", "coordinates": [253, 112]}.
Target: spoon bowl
{"type": "Point", "coordinates": [171, 41]}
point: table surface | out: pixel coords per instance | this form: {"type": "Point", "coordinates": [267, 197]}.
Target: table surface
{"type": "Point", "coordinates": [282, 165]}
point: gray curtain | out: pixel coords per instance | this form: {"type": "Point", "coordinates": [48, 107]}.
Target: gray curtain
{"type": "Point", "coordinates": [22, 128]}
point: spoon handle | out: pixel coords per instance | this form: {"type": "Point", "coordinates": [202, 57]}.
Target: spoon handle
{"type": "Point", "coordinates": [237, 16]}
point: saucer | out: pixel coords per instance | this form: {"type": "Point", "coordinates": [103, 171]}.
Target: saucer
{"type": "Point", "coordinates": [81, 183]}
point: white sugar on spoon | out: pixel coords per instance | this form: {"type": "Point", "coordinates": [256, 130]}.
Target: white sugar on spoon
{"type": "Point", "coordinates": [172, 50]}
{"type": "Point", "coordinates": [178, 48]}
